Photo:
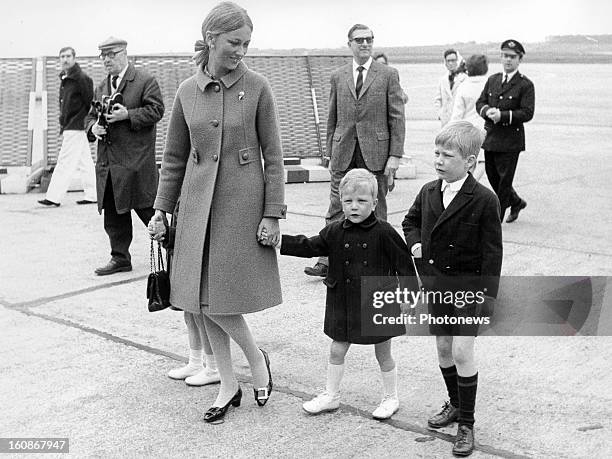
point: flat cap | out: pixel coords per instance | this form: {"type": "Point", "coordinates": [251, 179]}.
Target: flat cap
{"type": "Point", "coordinates": [112, 44]}
{"type": "Point", "coordinates": [513, 45]}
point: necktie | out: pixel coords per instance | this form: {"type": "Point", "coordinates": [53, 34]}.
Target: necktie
{"type": "Point", "coordinates": [359, 83]}
{"type": "Point", "coordinates": [114, 82]}
{"type": "Point", "coordinates": [446, 195]}
{"type": "Point", "coordinates": [505, 79]}
{"type": "Point", "coordinates": [451, 80]}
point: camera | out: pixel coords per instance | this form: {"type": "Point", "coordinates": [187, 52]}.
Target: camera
{"type": "Point", "coordinates": [105, 106]}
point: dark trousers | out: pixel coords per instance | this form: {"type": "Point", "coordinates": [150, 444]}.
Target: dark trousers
{"type": "Point", "coordinates": [500, 168]}
{"type": "Point", "coordinates": [119, 226]}
{"type": "Point", "coordinates": [334, 212]}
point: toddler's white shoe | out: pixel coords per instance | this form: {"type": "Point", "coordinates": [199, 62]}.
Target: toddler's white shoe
{"type": "Point", "coordinates": [387, 408]}
{"type": "Point", "coordinates": [183, 372]}
{"type": "Point", "coordinates": [204, 377]}
{"type": "Point", "coordinates": [322, 402]}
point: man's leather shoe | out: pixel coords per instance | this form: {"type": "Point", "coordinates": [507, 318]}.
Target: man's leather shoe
{"type": "Point", "coordinates": [46, 202]}
{"type": "Point", "coordinates": [319, 270]}
{"type": "Point", "coordinates": [86, 201]}
{"type": "Point", "coordinates": [447, 415]}
{"type": "Point", "coordinates": [114, 266]}
{"type": "Point", "coordinates": [514, 211]}
{"type": "Point", "coordinates": [464, 442]}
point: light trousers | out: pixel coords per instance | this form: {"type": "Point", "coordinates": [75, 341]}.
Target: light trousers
{"type": "Point", "coordinates": [74, 155]}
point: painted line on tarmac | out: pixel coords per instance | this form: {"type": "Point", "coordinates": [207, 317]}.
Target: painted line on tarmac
{"type": "Point", "coordinates": [563, 249]}
{"type": "Point", "coordinates": [62, 296]}
{"type": "Point", "coordinates": [402, 425]}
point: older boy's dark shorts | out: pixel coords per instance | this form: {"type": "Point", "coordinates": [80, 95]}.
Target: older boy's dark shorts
{"type": "Point", "coordinates": [450, 320]}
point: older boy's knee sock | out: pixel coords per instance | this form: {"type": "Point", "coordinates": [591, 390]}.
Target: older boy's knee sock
{"type": "Point", "coordinates": [450, 379]}
{"type": "Point", "coordinates": [334, 377]}
{"type": "Point", "coordinates": [211, 362]}
{"type": "Point", "coordinates": [467, 398]}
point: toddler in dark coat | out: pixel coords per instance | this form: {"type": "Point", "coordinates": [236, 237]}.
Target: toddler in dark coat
{"type": "Point", "coordinates": [360, 245]}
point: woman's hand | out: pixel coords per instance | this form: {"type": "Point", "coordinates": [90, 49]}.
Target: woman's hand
{"type": "Point", "coordinates": [268, 232]}
{"type": "Point", "coordinates": [157, 225]}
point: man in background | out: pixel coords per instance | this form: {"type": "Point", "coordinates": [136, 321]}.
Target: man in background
{"type": "Point", "coordinates": [126, 170]}
{"type": "Point", "coordinates": [75, 96]}
{"type": "Point", "coordinates": [447, 85]}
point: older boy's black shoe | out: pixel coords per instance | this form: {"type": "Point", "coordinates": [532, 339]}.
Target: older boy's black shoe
{"type": "Point", "coordinates": [447, 415]}
{"type": "Point", "coordinates": [464, 443]}
{"type": "Point", "coordinates": [46, 202]}
{"type": "Point", "coordinates": [86, 201]}
{"type": "Point", "coordinates": [317, 270]}
{"type": "Point", "coordinates": [114, 266]}
{"type": "Point", "coordinates": [514, 211]}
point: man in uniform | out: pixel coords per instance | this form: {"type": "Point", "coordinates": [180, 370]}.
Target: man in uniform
{"type": "Point", "coordinates": [506, 103]}
{"type": "Point", "coordinates": [126, 172]}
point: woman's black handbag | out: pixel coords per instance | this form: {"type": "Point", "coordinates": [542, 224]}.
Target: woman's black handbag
{"type": "Point", "coordinates": [158, 283]}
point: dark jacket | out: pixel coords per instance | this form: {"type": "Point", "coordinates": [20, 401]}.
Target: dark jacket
{"type": "Point", "coordinates": [518, 97]}
{"type": "Point", "coordinates": [75, 96]}
{"type": "Point", "coordinates": [370, 248]}
{"type": "Point", "coordinates": [129, 158]}
{"type": "Point", "coordinates": [465, 239]}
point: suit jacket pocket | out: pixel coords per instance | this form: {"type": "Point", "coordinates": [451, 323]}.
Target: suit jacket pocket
{"type": "Point", "coordinates": [337, 137]}
{"type": "Point", "coordinates": [382, 135]}
{"type": "Point", "coordinates": [248, 155]}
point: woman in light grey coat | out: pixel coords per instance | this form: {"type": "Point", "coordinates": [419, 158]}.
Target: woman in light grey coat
{"type": "Point", "coordinates": [223, 123]}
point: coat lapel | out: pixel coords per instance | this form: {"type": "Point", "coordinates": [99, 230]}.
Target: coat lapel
{"type": "Point", "coordinates": [369, 78]}
{"type": "Point", "coordinates": [435, 199]}
{"type": "Point", "coordinates": [350, 81]}
{"type": "Point", "coordinates": [130, 74]}
{"type": "Point", "coordinates": [465, 195]}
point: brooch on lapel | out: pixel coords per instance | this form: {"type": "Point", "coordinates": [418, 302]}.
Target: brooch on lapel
{"type": "Point", "coordinates": [241, 95]}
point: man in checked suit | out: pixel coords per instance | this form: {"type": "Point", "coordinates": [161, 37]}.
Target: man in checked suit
{"type": "Point", "coordinates": [365, 125]}
{"type": "Point", "coordinates": [506, 103]}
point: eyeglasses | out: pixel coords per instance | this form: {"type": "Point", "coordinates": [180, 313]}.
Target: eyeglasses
{"type": "Point", "coordinates": [110, 54]}
{"type": "Point", "coordinates": [360, 40]}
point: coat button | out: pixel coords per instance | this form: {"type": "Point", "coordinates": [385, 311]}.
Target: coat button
{"type": "Point", "coordinates": [215, 157]}
{"type": "Point", "coordinates": [364, 245]}
{"type": "Point", "coordinates": [347, 245]}
{"type": "Point", "coordinates": [348, 281]}
{"type": "Point", "coordinates": [501, 97]}
{"type": "Point", "coordinates": [347, 262]}
{"type": "Point", "coordinates": [451, 246]}
{"type": "Point", "coordinates": [448, 267]}
{"type": "Point", "coordinates": [216, 88]}
{"type": "Point", "coordinates": [215, 123]}
{"type": "Point", "coordinates": [365, 262]}
{"type": "Point", "coordinates": [431, 262]}
{"type": "Point", "coordinates": [245, 155]}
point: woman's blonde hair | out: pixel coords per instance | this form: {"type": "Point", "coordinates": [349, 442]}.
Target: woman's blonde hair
{"type": "Point", "coordinates": [224, 17]}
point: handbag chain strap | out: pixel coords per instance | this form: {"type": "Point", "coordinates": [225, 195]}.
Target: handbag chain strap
{"type": "Point", "coordinates": [157, 262]}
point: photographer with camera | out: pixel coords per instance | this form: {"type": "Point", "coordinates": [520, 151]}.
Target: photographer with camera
{"type": "Point", "coordinates": [126, 172]}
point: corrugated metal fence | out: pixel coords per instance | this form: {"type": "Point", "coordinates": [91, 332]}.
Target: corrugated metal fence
{"type": "Point", "coordinates": [292, 79]}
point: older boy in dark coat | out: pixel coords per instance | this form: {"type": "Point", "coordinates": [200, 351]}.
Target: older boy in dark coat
{"type": "Point", "coordinates": [454, 232]}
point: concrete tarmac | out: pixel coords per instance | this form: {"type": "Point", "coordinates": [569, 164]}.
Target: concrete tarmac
{"type": "Point", "coordinates": [80, 356]}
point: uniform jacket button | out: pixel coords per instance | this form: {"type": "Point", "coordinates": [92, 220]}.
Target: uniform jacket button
{"type": "Point", "coordinates": [431, 262]}
{"type": "Point", "coordinates": [347, 245]}
{"type": "Point", "coordinates": [347, 262]}
{"type": "Point", "coordinates": [215, 123]}
{"type": "Point", "coordinates": [215, 158]}
{"type": "Point", "coordinates": [348, 281]}
{"type": "Point", "coordinates": [245, 155]}
{"type": "Point", "coordinates": [216, 88]}
{"type": "Point", "coordinates": [364, 245]}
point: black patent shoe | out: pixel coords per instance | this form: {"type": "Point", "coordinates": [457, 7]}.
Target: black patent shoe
{"type": "Point", "coordinates": [447, 415]}
{"type": "Point", "coordinates": [263, 393]}
{"type": "Point", "coordinates": [216, 413]}
{"type": "Point", "coordinates": [464, 443]}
